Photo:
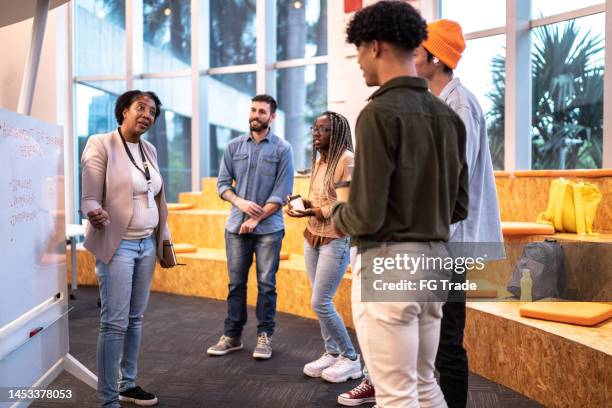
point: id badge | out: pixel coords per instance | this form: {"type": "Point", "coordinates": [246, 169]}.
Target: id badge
{"type": "Point", "coordinates": [151, 197]}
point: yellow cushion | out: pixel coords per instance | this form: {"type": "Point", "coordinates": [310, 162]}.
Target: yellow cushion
{"type": "Point", "coordinates": [182, 248]}
{"type": "Point", "coordinates": [179, 206]}
{"type": "Point", "coordinates": [512, 228]}
{"type": "Point", "coordinates": [581, 313]}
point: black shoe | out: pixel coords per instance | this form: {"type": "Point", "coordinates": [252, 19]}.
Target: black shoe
{"type": "Point", "coordinates": [138, 396]}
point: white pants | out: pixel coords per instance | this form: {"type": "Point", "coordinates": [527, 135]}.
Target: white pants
{"type": "Point", "coordinates": [399, 342]}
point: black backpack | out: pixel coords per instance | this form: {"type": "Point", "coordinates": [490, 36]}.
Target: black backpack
{"type": "Point", "coordinates": [546, 264]}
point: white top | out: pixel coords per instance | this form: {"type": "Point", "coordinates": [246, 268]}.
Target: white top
{"type": "Point", "coordinates": [144, 218]}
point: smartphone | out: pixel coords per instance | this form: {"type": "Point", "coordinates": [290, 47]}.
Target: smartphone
{"type": "Point", "coordinates": [297, 203]}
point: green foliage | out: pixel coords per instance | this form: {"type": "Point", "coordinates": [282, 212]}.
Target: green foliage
{"type": "Point", "coordinates": [567, 99]}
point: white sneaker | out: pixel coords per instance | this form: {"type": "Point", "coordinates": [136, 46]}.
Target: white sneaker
{"type": "Point", "coordinates": [342, 370]}
{"type": "Point", "coordinates": [315, 368]}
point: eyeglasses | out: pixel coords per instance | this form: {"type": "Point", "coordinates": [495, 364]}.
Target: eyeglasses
{"type": "Point", "coordinates": [320, 130]}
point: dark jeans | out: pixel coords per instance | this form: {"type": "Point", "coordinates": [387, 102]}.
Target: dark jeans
{"type": "Point", "coordinates": [452, 360]}
{"type": "Point", "coordinates": [240, 250]}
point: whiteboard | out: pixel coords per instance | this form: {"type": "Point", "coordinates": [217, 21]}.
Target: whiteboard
{"type": "Point", "coordinates": [32, 250]}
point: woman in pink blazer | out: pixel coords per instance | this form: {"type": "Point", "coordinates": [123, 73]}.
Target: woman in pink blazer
{"type": "Point", "coordinates": [123, 198]}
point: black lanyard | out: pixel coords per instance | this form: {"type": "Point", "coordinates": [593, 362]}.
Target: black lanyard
{"type": "Point", "coordinates": [146, 172]}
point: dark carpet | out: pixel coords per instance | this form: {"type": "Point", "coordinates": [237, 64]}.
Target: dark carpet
{"type": "Point", "coordinates": [174, 365]}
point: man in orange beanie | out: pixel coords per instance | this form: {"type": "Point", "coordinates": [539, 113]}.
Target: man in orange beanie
{"type": "Point", "coordinates": [435, 59]}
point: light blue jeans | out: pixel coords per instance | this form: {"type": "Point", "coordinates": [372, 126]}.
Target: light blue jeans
{"type": "Point", "coordinates": [124, 292]}
{"type": "Point", "coordinates": [326, 266]}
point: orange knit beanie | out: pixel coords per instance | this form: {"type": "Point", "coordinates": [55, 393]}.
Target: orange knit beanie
{"type": "Point", "coordinates": [445, 41]}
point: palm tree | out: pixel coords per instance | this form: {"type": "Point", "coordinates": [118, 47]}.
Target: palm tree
{"type": "Point", "coordinates": [567, 99]}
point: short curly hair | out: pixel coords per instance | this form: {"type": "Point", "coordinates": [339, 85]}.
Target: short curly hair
{"type": "Point", "coordinates": [126, 99]}
{"type": "Point", "coordinates": [394, 22]}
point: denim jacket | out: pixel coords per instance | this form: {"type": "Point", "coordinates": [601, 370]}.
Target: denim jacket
{"type": "Point", "coordinates": [263, 173]}
{"type": "Point", "coordinates": [483, 222]}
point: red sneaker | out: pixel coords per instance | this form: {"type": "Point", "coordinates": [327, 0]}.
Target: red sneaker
{"type": "Point", "coordinates": [364, 393]}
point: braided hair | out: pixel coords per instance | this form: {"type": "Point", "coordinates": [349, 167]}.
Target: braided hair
{"type": "Point", "coordinates": [339, 141]}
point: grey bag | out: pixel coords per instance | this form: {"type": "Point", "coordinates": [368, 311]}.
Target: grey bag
{"type": "Point", "coordinates": [546, 264]}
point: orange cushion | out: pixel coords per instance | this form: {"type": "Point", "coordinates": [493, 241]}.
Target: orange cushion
{"type": "Point", "coordinates": [182, 248]}
{"type": "Point", "coordinates": [511, 228]}
{"type": "Point", "coordinates": [179, 206]}
{"type": "Point", "coordinates": [580, 313]}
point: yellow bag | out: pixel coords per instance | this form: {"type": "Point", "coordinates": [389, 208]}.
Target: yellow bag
{"type": "Point", "coordinates": [571, 206]}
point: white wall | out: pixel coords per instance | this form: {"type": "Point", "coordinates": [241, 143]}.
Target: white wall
{"type": "Point", "coordinates": [52, 92]}
{"type": "Point", "coordinates": [16, 43]}
{"type": "Point", "coordinates": [347, 92]}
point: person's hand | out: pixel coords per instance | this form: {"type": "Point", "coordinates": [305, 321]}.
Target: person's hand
{"type": "Point", "coordinates": [249, 207]}
{"type": "Point", "coordinates": [163, 264]}
{"type": "Point", "coordinates": [307, 203]}
{"type": "Point", "coordinates": [98, 218]}
{"type": "Point", "coordinates": [299, 213]}
{"type": "Point", "coordinates": [309, 212]}
{"type": "Point", "coordinates": [248, 226]}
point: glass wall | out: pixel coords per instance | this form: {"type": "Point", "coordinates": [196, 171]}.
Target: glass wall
{"type": "Point", "coordinates": [228, 111]}
{"type": "Point", "coordinates": [301, 29]}
{"type": "Point", "coordinates": [99, 37]}
{"type": "Point", "coordinates": [94, 112]}
{"type": "Point", "coordinates": [464, 11]}
{"type": "Point", "coordinates": [227, 68]}
{"type": "Point", "coordinates": [302, 96]}
{"type": "Point", "coordinates": [545, 8]}
{"type": "Point", "coordinates": [482, 70]}
{"type": "Point", "coordinates": [166, 35]}
{"type": "Point", "coordinates": [566, 87]}
{"type": "Point", "coordinates": [567, 94]}
{"type": "Point", "coordinates": [232, 32]}
{"type": "Point", "coordinates": [171, 133]}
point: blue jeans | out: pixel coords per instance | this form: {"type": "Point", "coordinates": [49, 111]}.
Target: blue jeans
{"type": "Point", "coordinates": [326, 266]}
{"type": "Point", "coordinates": [240, 250]}
{"type": "Point", "coordinates": [124, 292]}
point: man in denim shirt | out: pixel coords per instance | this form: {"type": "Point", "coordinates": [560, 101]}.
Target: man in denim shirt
{"type": "Point", "coordinates": [261, 165]}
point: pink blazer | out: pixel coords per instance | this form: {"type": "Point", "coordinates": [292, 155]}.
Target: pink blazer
{"type": "Point", "coordinates": [107, 183]}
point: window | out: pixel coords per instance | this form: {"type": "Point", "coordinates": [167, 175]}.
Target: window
{"type": "Point", "coordinates": [464, 12]}
{"type": "Point", "coordinates": [544, 8]}
{"type": "Point", "coordinates": [228, 90]}
{"type": "Point", "coordinates": [227, 67]}
{"type": "Point", "coordinates": [167, 35]}
{"type": "Point", "coordinates": [302, 96]}
{"type": "Point", "coordinates": [95, 113]}
{"type": "Point", "coordinates": [301, 29]}
{"type": "Point", "coordinates": [100, 37]}
{"type": "Point", "coordinates": [482, 70]}
{"type": "Point", "coordinates": [171, 133]}
{"type": "Point", "coordinates": [232, 32]}
{"type": "Point", "coordinates": [567, 94]}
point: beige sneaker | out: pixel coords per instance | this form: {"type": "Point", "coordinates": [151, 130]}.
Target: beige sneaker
{"type": "Point", "coordinates": [263, 350]}
{"type": "Point", "coordinates": [225, 345]}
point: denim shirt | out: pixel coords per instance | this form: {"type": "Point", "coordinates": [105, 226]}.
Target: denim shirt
{"type": "Point", "coordinates": [483, 222]}
{"type": "Point", "coordinates": [263, 174]}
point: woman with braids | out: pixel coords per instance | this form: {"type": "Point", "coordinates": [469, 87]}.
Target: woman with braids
{"type": "Point", "coordinates": [325, 252]}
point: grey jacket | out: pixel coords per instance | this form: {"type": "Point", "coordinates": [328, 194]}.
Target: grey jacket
{"type": "Point", "coordinates": [483, 223]}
